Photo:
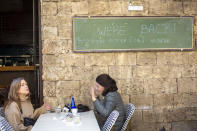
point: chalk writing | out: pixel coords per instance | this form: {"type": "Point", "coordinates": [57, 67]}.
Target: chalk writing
{"type": "Point", "coordinates": [112, 29]}
{"type": "Point", "coordinates": [158, 28]}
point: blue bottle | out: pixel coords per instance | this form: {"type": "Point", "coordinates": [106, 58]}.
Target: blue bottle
{"type": "Point", "coordinates": [72, 105]}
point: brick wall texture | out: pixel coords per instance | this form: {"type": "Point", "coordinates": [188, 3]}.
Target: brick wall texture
{"type": "Point", "coordinates": [162, 85]}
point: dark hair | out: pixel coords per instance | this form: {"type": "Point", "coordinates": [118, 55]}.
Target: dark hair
{"type": "Point", "coordinates": [107, 82]}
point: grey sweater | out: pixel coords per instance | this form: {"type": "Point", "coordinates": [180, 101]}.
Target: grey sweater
{"type": "Point", "coordinates": [112, 101]}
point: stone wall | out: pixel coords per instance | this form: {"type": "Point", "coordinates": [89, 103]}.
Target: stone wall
{"type": "Point", "coordinates": [162, 85]}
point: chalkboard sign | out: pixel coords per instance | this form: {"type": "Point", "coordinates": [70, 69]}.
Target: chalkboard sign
{"type": "Point", "coordinates": [92, 34]}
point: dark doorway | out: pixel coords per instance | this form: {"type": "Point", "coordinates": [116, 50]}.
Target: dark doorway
{"type": "Point", "coordinates": [19, 44]}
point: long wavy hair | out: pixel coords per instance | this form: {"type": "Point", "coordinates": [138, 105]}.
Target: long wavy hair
{"type": "Point", "coordinates": [13, 96]}
{"type": "Point", "coordinates": [107, 82]}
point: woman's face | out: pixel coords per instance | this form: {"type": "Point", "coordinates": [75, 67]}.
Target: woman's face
{"type": "Point", "coordinates": [24, 90]}
{"type": "Point", "coordinates": [99, 88]}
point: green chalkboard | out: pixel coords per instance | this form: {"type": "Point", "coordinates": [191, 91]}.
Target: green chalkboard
{"type": "Point", "coordinates": [102, 34]}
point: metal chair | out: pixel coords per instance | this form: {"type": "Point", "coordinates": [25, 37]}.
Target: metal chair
{"type": "Point", "coordinates": [108, 126]}
{"type": "Point", "coordinates": [4, 125]}
{"type": "Point", "coordinates": [2, 112]}
{"type": "Point", "coordinates": [129, 109]}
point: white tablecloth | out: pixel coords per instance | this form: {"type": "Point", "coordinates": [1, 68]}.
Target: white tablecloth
{"type": "Point", "coordinates": [50, 122]}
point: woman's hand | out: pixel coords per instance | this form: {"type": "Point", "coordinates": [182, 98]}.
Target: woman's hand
{"type": "Point", "coordinates": [47, 107]}
{"type": "Point", "coordinates": [92, 92]}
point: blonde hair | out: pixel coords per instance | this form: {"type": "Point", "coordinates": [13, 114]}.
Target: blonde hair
{"type": "Point", "coordinates": [13, 95]}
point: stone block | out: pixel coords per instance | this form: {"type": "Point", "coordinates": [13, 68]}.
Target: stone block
{"type": "Point", "coordinates": [162, 101]}
{"type": "Point", "coordinates": [115, 8]}
{"type": "Point", "coordinates": [150, 126]}
{"type": "Point", "coordinates": [44, 0]}
{"type": "Point", "coordinates": [185, 58]}
{"type": "Point", "coordinates": [98, 59]}
{"type": "Point", "coordinates": [191, 113]}
{"type": "Point", "coordinates": [64, 20]}
{"type": "Point", "coordinates": [187, 85]}
{"type": "Point", "coordinates": [176, 114]}
{"type": "Point", "coordinates": [97, 70]}
{"type": "Point", "coordinates": [49, 73]}
{"type": "Point", "coordinates": [124, 8]}
{"type": "Point", "coordinates": [49, 33]}
{"type": "Point", "coordinates": [50, 21]}
{"type": "Point", "coordinates": [188, 71]}
{"type": "Point", "coordinates": [84, 86]}
{"type": "Point", "coordinates": [49, 8]}
{"type": "Point", "coordinates": [65, 32]}
{"type": "Point", "coordinates": [68, 85]}
{"type": "Point", "coordinates": [67, 88]}
{"type": "Point", "coordinates": [169, 71]}
{"type": "Point", "coordinates": [137, 116]}
{"type": "Point", "coordinates": [64, 8]}
{"type": "Point", "coordinates": [115, 72]}
{"type": "Point", "coordinates": [160, 86]}
{"type": "Point", "coordinates": [131, 86]}
{"type": "Point", "coordinates": [170, 86]}
{"type": "Point", "coordinates": [160, 71]}
{"type": "Point", "coordinates": [120, 72]}
{"type": "Point", "coordinates": [124, 86]}
{"type": "Point", "coordinates": [146, 58]}
{"type": "Point", "coordinates": [174, 71]}
{"type": "Point", "coordinates": [49, 0]}
{"type": "Point", "coordinates": [180, 100]}
{"type": "Point", "coordinates": [169, 58]}
{"type": "Point", "coordinates": [143, 71]}
{"type": "Point", "coordinates": [125, 98]}
{"type": "Point", "coordinates": [70, 45]}
{"type": "Point", "coordinates": [193, 58]}
{"type": "Point", "coordinates": [49, 88]}
{"type": "Point", "coordinates": [125, 58]}
{"type": "Point", "coordinates": [185, 100]}
{"type": "Point", "coordinates": [82, 73]}
{"type": "Point", "coordinates": [80, 8]}
{"type": "Point", "coordinates": [98, 7]}
{"type": "Point", "coordinates": [52, 73]}
{"type": "Point", "coordinates": [174, 8]}
{"type": "Point", "coordinates": [72, 59]}
{"type": "Point", "coordinates": [190, 7]}
{"type": "Point", "coordinates": [184, 126]}
{"type": "Point", "coordinates": [154, 116]}
{"type": "Point", "coordinates": [55, 46]}
{"type": "Point", "coordinates": [49, 60]}
{"type": "Point", "coordinates": [142, 101]}
{"type": "Point", "coordinates": [158, 7]}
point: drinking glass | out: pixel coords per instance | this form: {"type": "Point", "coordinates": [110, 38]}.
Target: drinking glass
{"type": "Point", "coordinates": [46, 101]}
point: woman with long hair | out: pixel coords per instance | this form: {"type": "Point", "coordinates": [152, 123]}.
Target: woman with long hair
{"type": "Point", "coordinates": [106, 86]}
{"type": "Point", "coordinates": [19, 108]}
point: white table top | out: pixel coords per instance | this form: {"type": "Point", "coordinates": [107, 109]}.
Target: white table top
{"type": "Point", "coordinates": [51, 122]}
